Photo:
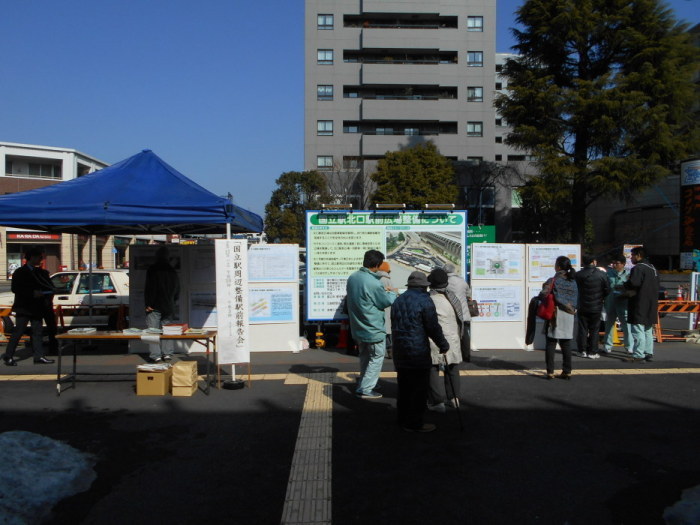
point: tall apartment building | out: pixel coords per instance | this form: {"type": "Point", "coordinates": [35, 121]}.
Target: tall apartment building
{"type": "Point", "coordinates": [382, 75]}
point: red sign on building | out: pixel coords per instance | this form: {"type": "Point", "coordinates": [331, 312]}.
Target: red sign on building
{"type": "Point", "coordinates": [33, 236]}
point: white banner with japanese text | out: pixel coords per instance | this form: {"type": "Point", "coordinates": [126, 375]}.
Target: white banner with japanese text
{"type": "Point", "coordinates": [233, 341]}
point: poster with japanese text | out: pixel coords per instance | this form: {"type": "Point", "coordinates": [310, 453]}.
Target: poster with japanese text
{"type": "Point", "coordinates": [541, 259]}
{"type": "Point", "coordinates": [499, 303]}
{"type": "Point", "coordinates": [412, 240]}
{"type": "Point", "coordinates": [498, 261]}
{"type": "Point", "coordinates": [273, 263]}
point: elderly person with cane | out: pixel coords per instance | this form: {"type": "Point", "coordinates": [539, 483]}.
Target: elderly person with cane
{"type": "Point", "coordinates": [449, 312]}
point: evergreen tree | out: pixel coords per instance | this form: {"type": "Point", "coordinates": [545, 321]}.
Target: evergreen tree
{"type": "Point", "coordinates": [601, 94]}
{"type": "Point", "coordinates": [415, 176]}
{"type": "Point", "coordinates": [285, 214]}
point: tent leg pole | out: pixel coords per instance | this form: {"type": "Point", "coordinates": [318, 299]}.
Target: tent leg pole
{"type": "Point", "coordinates": [228, 230]}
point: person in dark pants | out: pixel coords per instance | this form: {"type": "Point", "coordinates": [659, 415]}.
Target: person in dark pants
{"type": "Point", "coordinates": [161, 292]}
{"type": "Point", "coordinates": [642, 314]}
{"type": "Point", "coordinates": [49, 316]}
{"type": "Point", "coordinates": [30, 300]}
{"type": "Point", "coordinates": [560, 329]}
{"type": "Point", "coordinates": [593, 288]}
{"type": "Point", "coordinates": [414, 319]}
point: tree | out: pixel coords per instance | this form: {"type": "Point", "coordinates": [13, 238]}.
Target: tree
{"type": "Point", "coordinates": [600, 94]}
{"type": "Point", "coordinates": [285, 217]}
{"type": "Point", "coordinates": [349, 185]}
{"type": "Point", "coordinates": [415, 176]}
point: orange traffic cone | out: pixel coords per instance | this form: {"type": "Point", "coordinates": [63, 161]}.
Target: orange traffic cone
{"type": "Point", "coordinates": [343, 335]}
{"type": "Point", "coordinates": [679, 295]}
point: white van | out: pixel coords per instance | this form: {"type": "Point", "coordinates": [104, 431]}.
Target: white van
{"type": "Point", "coordinates": [108, 289]}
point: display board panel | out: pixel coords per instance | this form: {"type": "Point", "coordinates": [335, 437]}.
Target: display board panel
{"type": "Point", "coordinates": [410, 240]}
{"type": "Point", "coordinates": [497, 262]}
{"type": "Point", "coordinates": [541, 259]}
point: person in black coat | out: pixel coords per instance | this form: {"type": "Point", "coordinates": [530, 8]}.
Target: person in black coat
{"type": "Point", "coordinates": [30, 302]}
{"type": "Point", "coordinates": [413, 320]}
{"type": "Point", "coordinates": [643, 305]}
{"type": "Point", "coordinates": [593, 288]}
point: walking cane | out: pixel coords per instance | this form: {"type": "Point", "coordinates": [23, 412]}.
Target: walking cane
{"type": "Point", "coordinates": [455, 400]}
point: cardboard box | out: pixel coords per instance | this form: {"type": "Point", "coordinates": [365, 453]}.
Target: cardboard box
{"type": "Point", "coordinates": [185, 373]}
{"type": "Point", "coordinates": [153, 383]}
{"type": "Point", "coordinates": [184, 391]}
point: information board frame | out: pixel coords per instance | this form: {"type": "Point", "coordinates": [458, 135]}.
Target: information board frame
{"type": "Point", "coordinates": [411, 240]}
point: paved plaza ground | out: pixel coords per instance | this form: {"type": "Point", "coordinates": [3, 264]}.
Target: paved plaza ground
{"type": "Point", "coordinates": [616, 444]}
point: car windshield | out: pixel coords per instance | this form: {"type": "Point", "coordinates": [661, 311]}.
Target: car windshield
{"type": "Point", "coordinates": [63, 282]}
{"type": "Point", "coordinates": [96, 283]}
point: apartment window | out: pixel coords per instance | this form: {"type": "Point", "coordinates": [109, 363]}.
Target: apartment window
{"type": "Point", "coordinates": [516, 158]}
{"type": "Point", "coordinates": [499, 68]}
{"type": "Point", "coordinates": [499, 122]}
{"type": "Point", "coordinates": [474, 58]}
{"type": "Point", "coordinates": [516, 200]}
{"type": "Point", "coordinates": [475, 129]}
{"type": "Point", "coordinates": [324, 162]}
{"type": "Point", "coordinates": [324, 127]}
{"type": "Point", "coordinates": [481, 196]}
{"type": "Point", "coordinates": [352, 163]}
{"type": "Point", "coordinates": [325, 56]}
{"type": "Point", "coordinates": [32, 169]}
{"type": "Point", "coordinates": [324, 21]}
{"type": "Point", "coordinates": [475, 160]}
{"type": "Point", "coordinates": [499, 140]}
{"type": "Point", "coordinates": [475, 23]}
{"type": "Point", "coordinates": [499, 158]}
{"type": "Point", "coordinates": [385, 131]}
{"type": "Point", "coordinates": [499, 86]}
{"type": "Point", "coordinates": [351, 128]}
{"type": "Point", "coordinates": [351, 94]}
{"type": "Point", "coordinates": [475, 94]}
{"type": "Point", "coordinates": [324, 92]}
{"type": "Point", "coordinates": [411, 131]}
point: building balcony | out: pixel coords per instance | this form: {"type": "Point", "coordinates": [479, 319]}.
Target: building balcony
{"type": "Point", "coordinates": [409, 109]}
{"type": "Point", "coordinates": [409, 73]}
{"type": "Point", "coordinates": [386, 38]}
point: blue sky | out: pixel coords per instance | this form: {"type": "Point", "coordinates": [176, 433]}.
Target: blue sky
{"type": "Point", "coordinates": [213, 87]}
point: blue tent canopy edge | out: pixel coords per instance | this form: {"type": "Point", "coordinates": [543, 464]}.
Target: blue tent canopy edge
{"type": "Point", "coordinates": [139, 195]}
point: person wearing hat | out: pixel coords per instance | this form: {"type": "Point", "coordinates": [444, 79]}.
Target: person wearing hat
{"type": "Point", "coordinates": [449, 312]}
{"type": "Point", "coordinates": [460, 288]}
{"type": "Point", "coordinates": [366, 300]}
{"type": "Point", "coordinates": [384, 274]}
{"type": "Point", "coordinates": [414, 322]}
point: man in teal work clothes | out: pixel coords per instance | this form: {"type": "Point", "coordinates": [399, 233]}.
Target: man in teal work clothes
{"type": "Point", "coordinates": [366, 300]}
{"type": "Point", "coordinates": [616, 304]}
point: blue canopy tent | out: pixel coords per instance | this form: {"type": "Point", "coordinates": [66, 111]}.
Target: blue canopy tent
{"type": "Point", "coordinates": [139, 195]}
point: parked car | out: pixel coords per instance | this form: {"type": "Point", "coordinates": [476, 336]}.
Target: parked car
{"type": "Point", "coordinates": [106, 290]}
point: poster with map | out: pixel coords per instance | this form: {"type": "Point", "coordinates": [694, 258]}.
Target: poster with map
{"type": "Point", "coordinates": [410, 240]}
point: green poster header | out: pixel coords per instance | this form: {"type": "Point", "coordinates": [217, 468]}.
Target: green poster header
{"type": "Point", "coordinates": [386, 219]}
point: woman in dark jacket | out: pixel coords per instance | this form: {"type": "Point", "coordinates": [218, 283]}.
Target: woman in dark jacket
{"type": "Point", "coordinates": [561, 328]}
{"type": "Point", "coordinates": [414, 321]}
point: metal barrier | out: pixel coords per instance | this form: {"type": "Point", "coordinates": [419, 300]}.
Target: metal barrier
{"type": "Point", "coordinates": [665, 307]}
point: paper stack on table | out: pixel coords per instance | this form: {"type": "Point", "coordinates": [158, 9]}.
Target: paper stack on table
{"type": "Point", "coordinates": [174, 329]}
{"type": "Point", "coordinates": [87, 330]}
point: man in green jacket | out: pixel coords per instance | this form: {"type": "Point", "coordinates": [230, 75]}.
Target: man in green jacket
{"type": "Point", "coordinates": [366, 300]}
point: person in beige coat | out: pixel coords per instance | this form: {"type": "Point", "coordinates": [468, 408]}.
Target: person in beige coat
{"type": "Point", "coordinates": [450, 318]}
